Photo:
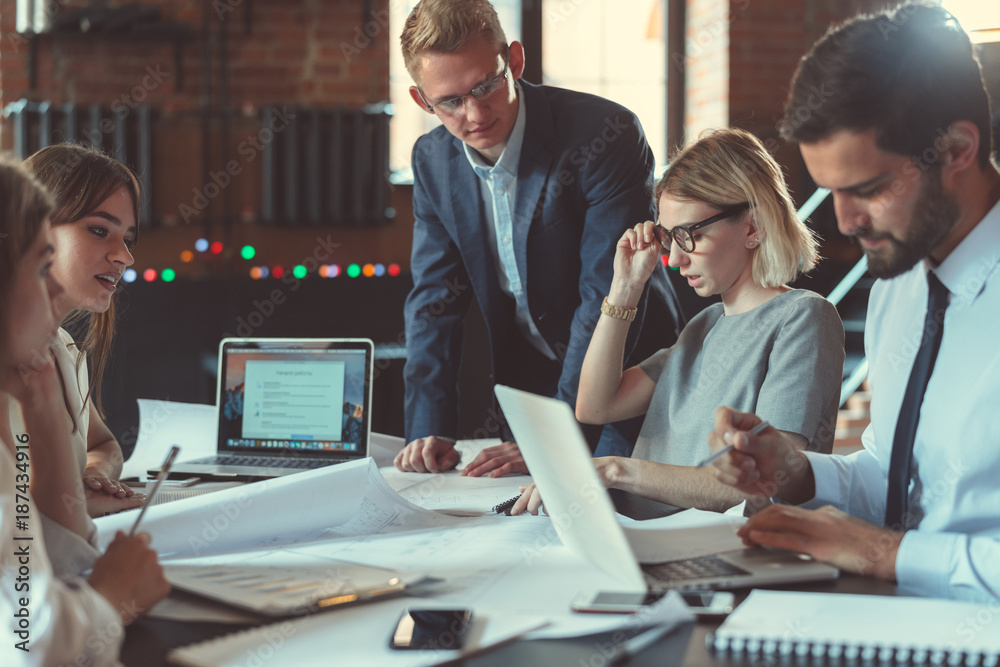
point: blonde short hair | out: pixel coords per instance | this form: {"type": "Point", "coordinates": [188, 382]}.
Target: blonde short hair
{"type": "Point", "coordinates": [731, 166]}
{"type": "Point", "coordinates": [445, 26]}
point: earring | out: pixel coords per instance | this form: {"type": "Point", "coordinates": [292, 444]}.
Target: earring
{"type": "Point", "coordinates": [753, 243]}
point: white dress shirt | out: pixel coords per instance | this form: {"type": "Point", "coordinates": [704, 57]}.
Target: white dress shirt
{"type": "Point", "coordinates": [68, 621]}
{"type": "Point", "coordinates": [497, 184]}
{"type": "Point", "coordinates": [954, 496]}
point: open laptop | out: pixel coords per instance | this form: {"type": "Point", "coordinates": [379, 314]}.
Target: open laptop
{"type": "Point", "coordinates": [560, 464]}
{"type": "Point", "coordinates": [286, 405]}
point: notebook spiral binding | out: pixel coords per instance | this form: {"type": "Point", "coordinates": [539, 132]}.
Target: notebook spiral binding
{"type": "Point", "coordinates": [790, 650]}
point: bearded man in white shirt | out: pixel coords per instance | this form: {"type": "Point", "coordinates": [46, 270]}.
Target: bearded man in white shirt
{"type": "Point", "coordinates": [891, 115]}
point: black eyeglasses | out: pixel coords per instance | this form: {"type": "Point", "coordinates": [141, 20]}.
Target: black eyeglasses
{"type": "Point", "coordinates": [454, 105]}
{"type": "Point", "coordinates": [683, 235]}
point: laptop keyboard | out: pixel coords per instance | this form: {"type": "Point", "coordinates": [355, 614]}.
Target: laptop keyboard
{"type": "Point", "coordinates": [675, 573]}
{"type": "Point", "coordinates": [266, 461]}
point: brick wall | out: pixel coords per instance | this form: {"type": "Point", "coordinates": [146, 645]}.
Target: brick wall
{"type": "Point", "coordinates": [707, 81]}
{"type": "Point", "coordinates": [741, 55]}
{"type": "Point", "coordinates": [307, 53]}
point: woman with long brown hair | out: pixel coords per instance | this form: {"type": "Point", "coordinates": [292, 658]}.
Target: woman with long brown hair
{"type": "Point", "coordinates": [66, 612]}
{"type": "Point", "coordinates": [94, 227]}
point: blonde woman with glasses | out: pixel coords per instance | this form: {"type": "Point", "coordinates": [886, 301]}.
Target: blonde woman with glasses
{"type": "Point", "coordinates": [727, 221]}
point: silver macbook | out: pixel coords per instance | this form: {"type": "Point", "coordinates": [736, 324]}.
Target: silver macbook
{"type": "Point", "coordinates": [560, 465]}
{"type": "Point", "coordinates": [286, 405]}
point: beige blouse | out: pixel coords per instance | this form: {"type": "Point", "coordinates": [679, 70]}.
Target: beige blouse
{"type": "Point", "coordinates": [66, 355]}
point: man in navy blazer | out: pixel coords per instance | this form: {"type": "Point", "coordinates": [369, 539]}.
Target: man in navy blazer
{"type": "Point", "coordinates": [519, 201]}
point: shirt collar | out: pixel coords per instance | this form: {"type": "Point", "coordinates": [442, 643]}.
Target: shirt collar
{"type": "Point", "coordinates": [511, 155]}
{"type": "Point", "coordinates": [966, 268]}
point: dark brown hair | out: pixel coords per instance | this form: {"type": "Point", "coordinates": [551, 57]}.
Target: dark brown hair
{"type": "Point", "coordinates": [907, 73]}
{"type": "Point", "coordinates": [24, 206]}
{"type": "Point", "coordinates": [80, 178]}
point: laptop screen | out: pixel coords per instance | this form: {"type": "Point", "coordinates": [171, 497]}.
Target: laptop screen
{"type": "Point", "coordinates": [308, 397]}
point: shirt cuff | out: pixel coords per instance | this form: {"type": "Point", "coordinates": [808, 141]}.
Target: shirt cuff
{"type": "Point", "coordinates": [70, 554]}
{"type": "Point", "coordinates": [923, 562]}
{"type": "Point", "coordinates": [825, 479]}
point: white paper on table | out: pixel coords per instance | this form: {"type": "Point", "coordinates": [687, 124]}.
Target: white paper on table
{"type": "Point", "coordinates": [467, 496]}
{"type": "Point", "coordinates": [356, 636]}
{"type": "Point", "coordinates": [348, 498]}
{"type": "Point", "coordinates": [383, 448]}
{"type": "Point", "coordinates": [191, 426]}
{"type": "Point", "coordinates": [688, 534]}
{"type": "Point", "coordinates": [469, 449]}
{"type": "Point", "coordinates": [542, 581]}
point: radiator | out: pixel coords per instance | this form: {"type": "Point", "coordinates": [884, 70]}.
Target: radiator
{"type": "Point", "coordinates": [319, 167]}
{"type": "Point", "coordinates": [326, 167]}
{"type": "Point", "coordinates": [123, 132]}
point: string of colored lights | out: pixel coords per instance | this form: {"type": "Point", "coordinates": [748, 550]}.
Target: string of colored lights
{"type": "Point", "coordinates": [248, 252]}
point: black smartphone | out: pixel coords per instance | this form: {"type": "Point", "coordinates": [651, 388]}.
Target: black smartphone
{"type": "Point", "coordinates": [431, 629]}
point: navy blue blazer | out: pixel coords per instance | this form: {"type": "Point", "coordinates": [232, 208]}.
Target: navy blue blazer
{"type": "Point", "coordinates": [584, 177]}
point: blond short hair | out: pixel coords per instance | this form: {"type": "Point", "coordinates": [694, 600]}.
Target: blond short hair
{"type": "Point", "coordinates": [445, 26]}
{"type": "Point", "coordinates": [731, 166]}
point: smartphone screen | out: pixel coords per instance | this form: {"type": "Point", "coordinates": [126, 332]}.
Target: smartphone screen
{"type": "Point", "coordinates": [625, 599]}
{"type": "Point", "coordinates": [431, 629]}
{"type": "Point", "coordinates": [702, 603]}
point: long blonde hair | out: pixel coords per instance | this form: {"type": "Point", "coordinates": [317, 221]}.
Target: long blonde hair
{"type": "Point", "coordinates": [731, 166]}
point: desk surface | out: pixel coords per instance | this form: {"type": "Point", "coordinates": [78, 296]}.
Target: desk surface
{"type": "Point", "coordinates": [148, 640]}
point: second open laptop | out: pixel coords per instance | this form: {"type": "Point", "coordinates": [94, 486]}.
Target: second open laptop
{"type": "Point", "coordinates": [288, 404]}
{"type": "Point", "coordinates": [560, 465]}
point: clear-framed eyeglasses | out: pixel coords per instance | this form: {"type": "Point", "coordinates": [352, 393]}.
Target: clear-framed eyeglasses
{"type": "Point", "coordinates": [683, 235]}
{"type": "Point", "coordinates": [456, 105]}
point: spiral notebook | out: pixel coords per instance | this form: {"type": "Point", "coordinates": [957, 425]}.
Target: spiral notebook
{"type": "Point", "coordinates": [866, 627]}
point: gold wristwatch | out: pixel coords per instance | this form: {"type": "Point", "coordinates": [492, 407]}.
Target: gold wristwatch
{"type": "Point", "coordinates": [618, 312]}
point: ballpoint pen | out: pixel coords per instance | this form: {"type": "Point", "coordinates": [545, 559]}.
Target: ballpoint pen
{"type": "Point", "coordinates": [640, 643]}
{"type": "Point", "coordinates": [164, 471]}
{"type": "Point", "coordinates": [754, 431]}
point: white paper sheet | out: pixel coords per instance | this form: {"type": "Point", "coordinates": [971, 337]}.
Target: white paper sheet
{"type": "Point", "coordinates": [688, 534]}
{"type": "Point", "coordinates": [383, 448]}
{"type": "Point", "coordinates": [469, 449]}
{"type": "Point", "coordinates": [254, 515]}
{"type": "Point", "coordinates": [453, 494]}
{"type": "Point", "coordinates": [191, 426]}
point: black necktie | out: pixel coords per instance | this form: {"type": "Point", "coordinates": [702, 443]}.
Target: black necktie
{"type": "Point", "coordinates": [909, 412]}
